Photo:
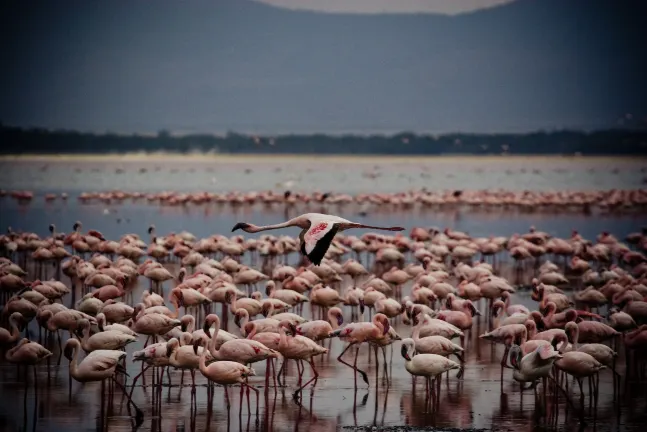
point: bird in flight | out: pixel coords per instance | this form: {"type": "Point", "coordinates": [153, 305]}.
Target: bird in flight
{"type": "Point", "coordinates": [317, 233]}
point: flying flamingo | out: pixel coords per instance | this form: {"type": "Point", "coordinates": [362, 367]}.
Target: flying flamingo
{"type": "Point", "coordinates": [318, 231]}
{"type": "Point", "coordinates": [99, 365]}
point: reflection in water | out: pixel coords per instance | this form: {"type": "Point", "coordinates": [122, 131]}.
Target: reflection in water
{"type": "Point", "coordinates": [41, 400]}
{"type": "Point", "coordinates": [479, 400]}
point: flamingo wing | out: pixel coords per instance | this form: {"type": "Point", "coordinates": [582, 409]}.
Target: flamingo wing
{"type": "Point", "coordinates": [317, 240]}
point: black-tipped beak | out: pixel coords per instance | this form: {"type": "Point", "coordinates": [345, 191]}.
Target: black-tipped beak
{"type": "Point", "coordinates": [207, 329]}
{"type": "Point", "coordinates": [387, 327]}
{"type": "Point", "coordinates": [293, 329]}
{"type": "Point", "coordinates": [361, 306]}
{"type": "Point", "coordinates": [183, 327]}
{"type": "Point", "coordinates": [196, 344]}
{"type": "Point", "coordinates": [240, 225]}
{"type": "Point", "coordinates": [340, 320]}
{"type": "Point", "coordinates": [404, 353]}
{"type": "Point", "coordinates": [68, 353]}
{"type": "Point", "coordinates": [237, 321]}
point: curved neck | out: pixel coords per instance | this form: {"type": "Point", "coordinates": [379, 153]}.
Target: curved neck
{"type": "Point", "coordinates": [252, 333]}
{"type": "Point", "coordinates": [284, 338]}
{"type": "Point", "coordinates": [176, 308]}
{"type": "Point", "coordinates": [416, 330]}
{"type": "Point", "coordinates": [73, 363]}
{"type": "Point", "coordinates": [212, 343]}
{"type": "Point", "coordinates": [191, 327]}
{"type": "Point", "coordinates": [332, 319]}
{"type": "Point", "coordinates": [15, 331]}
{"type": "Point", "coordinates": [202, 362]}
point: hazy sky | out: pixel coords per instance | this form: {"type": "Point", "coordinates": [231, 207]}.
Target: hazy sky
{"type": "Point", "coordinates": [450, 7]}
{"type": "Point", "coordinates": [248, 66]}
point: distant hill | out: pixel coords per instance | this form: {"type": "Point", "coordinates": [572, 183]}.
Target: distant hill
{"type": "Point", "coordinates": [212, 66]}
{"type": "Point", "coordinates": [605, 142]}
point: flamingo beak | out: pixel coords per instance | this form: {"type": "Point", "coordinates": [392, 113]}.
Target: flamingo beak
{"type": "Point", "coordinates": [361, 306]}
{"type": "Point", "coordinates": [207, 329]}
{"type": "Point", "coordinates": [183, 327]}
{"type": "Point", "coordinates": [387, 327]}
{"type": "Point", "coordinates": [196, 344]}
{"type": "Point", "coordinates": [404, 353]}
{"type": "Point", "coordinates": [240, 225]}
{"type": "Point", "coordinates": [237, 320]}
{"type": "Point", "coordinates": [169, 351]}
{"type": "Point", "coordinates": [68, 353]}
{"type": "Point", "coordinates": [340, 320]}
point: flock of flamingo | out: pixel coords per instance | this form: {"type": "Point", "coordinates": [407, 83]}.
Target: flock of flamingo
{"type": "Point", "coordinates": [589, 297]}
{"type": "Point", "coordinates": [608, 200]}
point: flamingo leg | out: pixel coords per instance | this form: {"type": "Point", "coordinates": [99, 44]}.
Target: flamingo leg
{"type": "Point", "coordinates": [139, 415]}
{"type": "Point", "coordinates": [355, 365]}
{"type": "Point", "coordinates": [314, 378]}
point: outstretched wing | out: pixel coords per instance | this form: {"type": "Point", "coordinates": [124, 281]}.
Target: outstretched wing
{"type": "Point", "coordinates": [317, 240]}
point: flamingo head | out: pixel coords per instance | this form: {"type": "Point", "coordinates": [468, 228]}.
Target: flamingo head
{"type": "Point", "coordinates": [340, 318]}
{"type": "Point", "coordinates": [515, 356]}
{"type": "Point", "coordinates": [362, 306]}
{"type": "Point", "coordinates": [385, 323]}
{"type": "Point", "coordinates": [237, 317]}
{"type": "Point", "coordinates": [52, 227]}
{"type": "Point", "coordinates": [178, 296]}
{"type": "Point", "coordinates": [405, 352]}
{"type": "Point", "coordinates": [472, 309]}
{"type": "Point", "coordinates": [151, 229]}
{"type": "Point", "coordinates": [68, 351]}
{"type": "Point", "coordinates": [174, 343]}
{"type": "Point", "coordinates": [241, 225]}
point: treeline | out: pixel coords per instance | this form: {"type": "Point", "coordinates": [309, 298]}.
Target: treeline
{"type": "Point", "coordinates": [15, 140]}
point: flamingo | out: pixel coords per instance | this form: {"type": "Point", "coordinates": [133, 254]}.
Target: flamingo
{"type": "Point", "coordinates": [244, 351]}
{"type": "Point", "coordinates": [6, 337]}
{"type": "Point", "coordinates": [357, 333]}
{"type": "Point", "coordinates": [103, 340]}
{"type": "Point", "coordinates": [299, 348]}
{"type": "Point", "coordinates": [430, 366]}
{"type": "Point", "coordinates": [99, 365]}
{"type": "Point", "coordinates": [225, 373]}
{"type": "Point", "coordinates": [320, 329]}
{"type": "Point", "coordinates": [318, 231]}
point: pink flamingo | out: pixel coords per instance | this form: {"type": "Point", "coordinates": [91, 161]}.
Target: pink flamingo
{"type": "Point", "coordinates": [357, 333]}
{"type": "Point", "coordinates": [318, 231]}
{"type": "Point", "coordinates": [299, 348]}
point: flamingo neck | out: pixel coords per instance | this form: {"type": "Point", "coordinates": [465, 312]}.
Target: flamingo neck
{"type": "Point", "coordinates": [73, 363]}
{"type": "Point", "coordinates": [212, 343]}
{"type": "Point", "coordinates": [284, 338]}
{"type": "Point", "coordinates": [416, 331]}
{"type": "Point", "coordinates": [176, 307]}
{"type": "Point", "coordinates": [191, 327]}
{"type": "Point", "coordinates": [202, 362]}
{"type": "Point", "coordinates": [15, 332]}
{"type": "Point", "coordinates": [252, 333]}
{"type": "Point", "coordinates": [255, 229]}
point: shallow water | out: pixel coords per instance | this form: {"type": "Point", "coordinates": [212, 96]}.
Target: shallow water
{"type": "Point", "coordinates": [477, 401]}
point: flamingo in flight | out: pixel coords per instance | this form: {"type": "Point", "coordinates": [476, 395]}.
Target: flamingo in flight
{"type": "Point", "coordinates": [317, 233]}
